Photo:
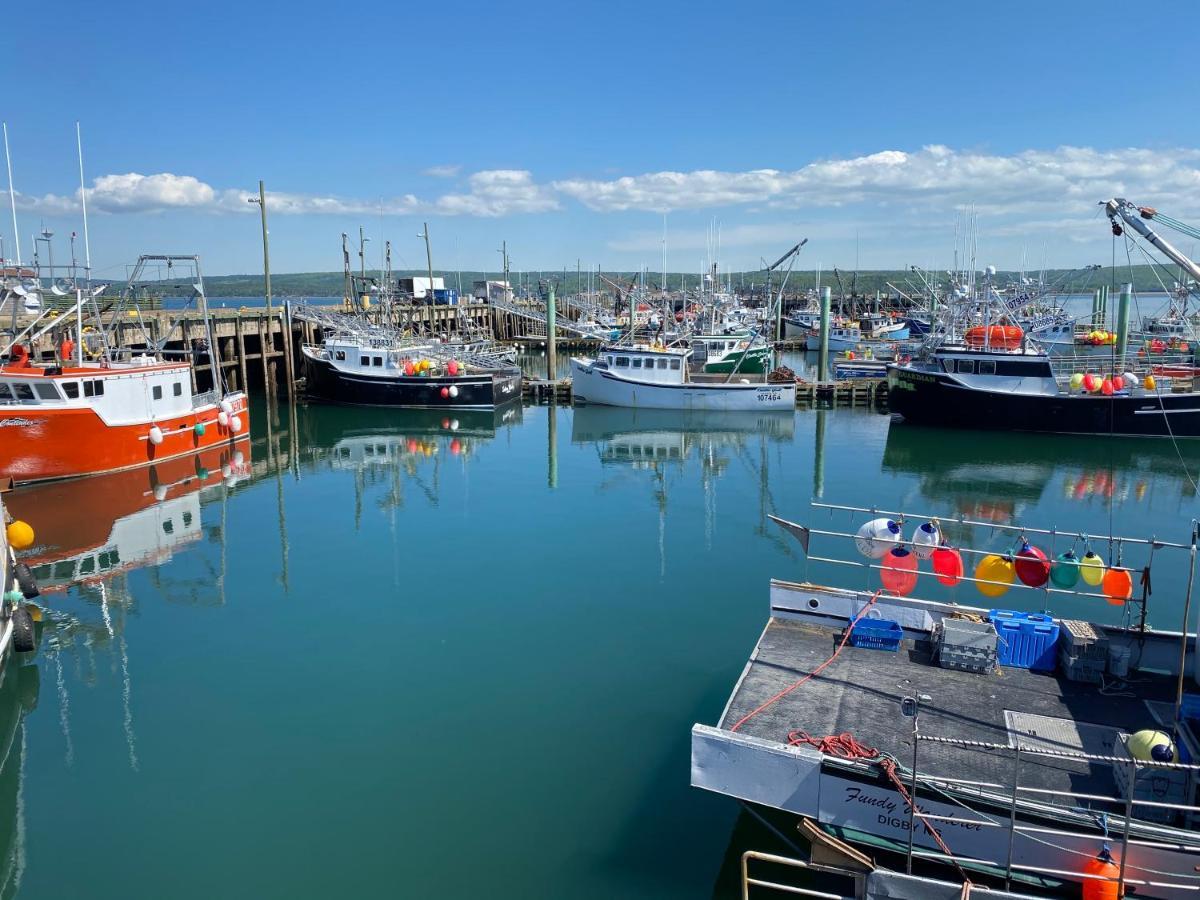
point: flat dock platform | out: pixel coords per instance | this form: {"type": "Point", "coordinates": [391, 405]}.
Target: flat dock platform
{"type": "Point", "coordinates": [860, 693]}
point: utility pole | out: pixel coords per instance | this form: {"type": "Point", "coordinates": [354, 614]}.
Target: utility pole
{"type": "Point", "coordinates": [261, 200]}
{"type": "Point", "coordinates": [428, 261]}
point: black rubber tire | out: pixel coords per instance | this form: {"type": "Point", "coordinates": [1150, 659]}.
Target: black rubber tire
{"type": "Point", "coordinates": [25, 580]}
{"type": "Point", "coordinates": [24, 640]}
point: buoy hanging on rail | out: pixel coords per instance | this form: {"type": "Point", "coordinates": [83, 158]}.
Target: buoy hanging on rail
{"type": "Point", "coordinates": [1064, 571]}
{"type": "Point", "coordinates": [925, 539]}
{"type": "Point", "coordinates": [899, 572]}
{"type": "Point", "coordinates": [1091, 568]}
{"type": "Point", "coordinates": [235, 424]}
{"type": "Point", "coordinates": [947, 566]}
{"type": "Point", "coordinates": [1032, 566]}
{"type": "Point", "coordinates": [1117, 586]}
{"type": "Point", "coordinates": [994, 573]}
{"type": "Point", "coordinates": [223, 419]}
{"type": "Point", "coordinates": [875, 538]}
{"type": "Point", "coordinates": [156, 435]}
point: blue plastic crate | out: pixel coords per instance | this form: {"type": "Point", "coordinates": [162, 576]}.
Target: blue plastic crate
{"type": "Point", "coordinates": [877, 634]}
{"type": "Point", "coordinates": [1025, 640]}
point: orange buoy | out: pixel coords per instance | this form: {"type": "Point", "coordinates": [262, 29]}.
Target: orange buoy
{"type": "Point", "coordinates": [1003, 337]}
{"type": "Point", "coordinates": [1103, 883]}
{"type": "Point", "coordinates": [1117, 586]}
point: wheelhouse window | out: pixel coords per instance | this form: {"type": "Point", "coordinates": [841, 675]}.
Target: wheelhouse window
{"type": "Point", "coordinates": [46, 391]}
{"type": "Point", "coordinates": [23, 391]}
{"type": "Point", "coordinates": [377, 361]}
{"type": "Point", "coordinates": [662, 363]}
{"type": "Point", "coordinates": [364, 360]}
{"type": "Point", "coordinates": [177, 390]}
{"type": "Point", "coordinates": [637, 362]}
{"type": "Point", "coordinates": [93, 389]}
{"type": "Point", "coordinates": [156, 392]}
{"type": "Point", "coordinates": [70, 388]}
{"type": "Point", "coordinates": [5, 393]}
{"type": "Point", "coordinates": [622, 362]}
{"type": "Point", "coordinates": [339, 355]}
{"type": "Point", "coordinates": [987, 367]}
{"type": "Point", "coordinates": [675, 362]}
{"type": "Point", "coordinates": [966, 365]}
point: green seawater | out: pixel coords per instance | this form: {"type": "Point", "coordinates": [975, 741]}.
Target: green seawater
{"type": "Point", "coordinates": [401, 654]}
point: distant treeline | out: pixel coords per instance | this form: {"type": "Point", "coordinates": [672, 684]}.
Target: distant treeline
{"type": "Point", "coordinates": [330, 284]}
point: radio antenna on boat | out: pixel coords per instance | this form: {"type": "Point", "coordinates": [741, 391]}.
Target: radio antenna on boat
{"type": "Point", "coordinates": [12, 197]}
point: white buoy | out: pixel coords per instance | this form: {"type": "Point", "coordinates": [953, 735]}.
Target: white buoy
{"type": "Point", "coordinates": [875, 538]}
{"type": "Point", "coordinates": [156, 435]}
{"type": "Point", "coordinates": [454, 390]}
{"type": "Point", "coordinates": [238, 457]}
{"type": "Point", "coordinates": [235, 424]}
{"type": "Point", "coordinates": [226, 407]}
{"type": "Point", "coordinates": [160, 492]}
{"type": "Point", "coordinates": [223, 419]}
{"type": "Point", "coordinates": [454, 424]}
{"type": "Point", "coordinates": [925, 539]}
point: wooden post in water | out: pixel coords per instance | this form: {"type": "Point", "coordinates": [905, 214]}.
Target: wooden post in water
{"type": "Point", "coordinates": [289, 351]}
{"type": "Point", "coordinates": [823, 353]}
{"type": "Point", "coordinates": [551, 337]}
{"type": "Point", "coordinates": [241, 351]}
{"type": "Point", "coordinates": [1123, 325]}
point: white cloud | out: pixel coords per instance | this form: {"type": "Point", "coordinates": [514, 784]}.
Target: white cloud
{"type": "Point", "coordinates": [934, 175]}
{"type": "Point", "coordinates": [893, 186]}
{"type": "Point", "coordinates": [499, 192]}
{"type": "Point", "coordinates": [447, 171]}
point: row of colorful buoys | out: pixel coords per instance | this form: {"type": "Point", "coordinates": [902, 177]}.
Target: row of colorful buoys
{"type": "Point", "coordinates": [429, 448]}
{"type": "Point", "coordinates": [1100, 336]}
{"type": "Point", "coordinates": [420, 367]}
{"type": "Point", "coordinates": [883, 539]}
{"type": "Point", "coordinates": [1106, 384]}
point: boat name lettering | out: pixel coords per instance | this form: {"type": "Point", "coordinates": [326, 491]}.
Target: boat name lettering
{"type": "Point", "coordinates": [18, 423]}
{"type": "Point", "coordinates": [892, 816]}
{"type": "Point", "coordinates": [914, 376]}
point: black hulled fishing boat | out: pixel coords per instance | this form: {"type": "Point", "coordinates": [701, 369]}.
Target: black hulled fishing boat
{"type": "Point", "coordinates": [978, 369]}
{"type": "Point", "coordinates": [370, 369]}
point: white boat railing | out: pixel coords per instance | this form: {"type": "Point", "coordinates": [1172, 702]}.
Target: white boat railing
{"type": "Point", "coordinates": [1010, 795]}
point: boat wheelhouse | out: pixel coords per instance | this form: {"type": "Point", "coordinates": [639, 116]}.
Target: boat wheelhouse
{"type": "Point", "coordinates": [660, 378]}
{"type": "Point", "coordinates": [725, 353]}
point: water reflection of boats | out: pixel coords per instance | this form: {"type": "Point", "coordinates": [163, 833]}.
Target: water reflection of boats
{"type": "Point", "coordinates": [19, 686]}
{"type": "Point", "coordinates": [90, 529]}
{"type": "Point", "coordinates": [334, 425]}
{"type": "Point", "coordinates": [1015, 469]}
{"type": "Point", "coordinates": [649, 435]}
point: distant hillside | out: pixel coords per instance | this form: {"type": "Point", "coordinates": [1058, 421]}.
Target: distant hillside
{"type": "Point", "coordinates": [330, 284]}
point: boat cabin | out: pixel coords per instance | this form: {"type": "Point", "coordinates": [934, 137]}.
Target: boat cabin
{"type": "Point", "coordinates": [666, 366]}
{"type": "Point", "coordinates": [141, 389]}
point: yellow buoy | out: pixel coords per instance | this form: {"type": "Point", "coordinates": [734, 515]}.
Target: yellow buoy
{"type": "Point", "coordinates": [993, 568]}
{"type": "Point", "coordinates": [20, 535]}
{"type": "Point", "coordinates": [1091, 568]}
{"type": "Point", "coordinates": [1148, 744]}
{"type": "Point", "coordinates": [1149, 384]}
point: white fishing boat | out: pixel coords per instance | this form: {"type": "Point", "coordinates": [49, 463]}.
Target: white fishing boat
{"type": "Point", "coordinates": [659, 378]}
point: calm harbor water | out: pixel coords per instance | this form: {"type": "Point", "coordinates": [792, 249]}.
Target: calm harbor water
{"type": "Point", "coordinates": [403, 654]}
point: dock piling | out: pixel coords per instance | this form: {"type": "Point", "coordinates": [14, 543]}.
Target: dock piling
{"type": "Point", "coordinates": [1123, 324]}
{"type": "Point", "coordinates": [823, 353]}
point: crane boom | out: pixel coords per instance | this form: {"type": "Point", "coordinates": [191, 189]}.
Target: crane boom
{"type": "Point", "coordinates": [1135, 218]}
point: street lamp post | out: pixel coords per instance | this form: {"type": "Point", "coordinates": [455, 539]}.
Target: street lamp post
{"type": "Point", "coordinates": [261, 200]}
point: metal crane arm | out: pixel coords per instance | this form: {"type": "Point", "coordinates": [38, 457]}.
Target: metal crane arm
{"type": "Point", "coordinates": [1136, 219]}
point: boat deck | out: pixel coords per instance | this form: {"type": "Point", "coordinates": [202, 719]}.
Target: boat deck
{"type": "Point", "coordinates": [860, 693]}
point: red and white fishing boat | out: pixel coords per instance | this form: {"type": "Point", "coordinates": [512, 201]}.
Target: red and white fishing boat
{"type": "Point", "coordinates": [61, 422]}
{"type": "Point", "coordinates": [118, 410]}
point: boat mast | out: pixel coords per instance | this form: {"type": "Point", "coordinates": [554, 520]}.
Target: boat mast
{"type": "Point", "coordinates": [12, 199]}
{"type": "Point", "coordinates": [87, 255]}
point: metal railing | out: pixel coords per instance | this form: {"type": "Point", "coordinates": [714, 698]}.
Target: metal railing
{"type": "Point", "coordinates": [1015, 789]}
{"type": "Point", "coordinates": [748, 881]}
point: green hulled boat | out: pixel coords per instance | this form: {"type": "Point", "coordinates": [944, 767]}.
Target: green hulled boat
{"type": "Point", "coordinates": [722, 353]}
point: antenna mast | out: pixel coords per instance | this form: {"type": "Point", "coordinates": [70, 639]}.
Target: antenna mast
{"type": "Point", "coordinates": [12, 197]}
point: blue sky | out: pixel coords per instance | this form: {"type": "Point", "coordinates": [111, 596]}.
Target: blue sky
{"type": "Point", "coordinates": [569, 129]}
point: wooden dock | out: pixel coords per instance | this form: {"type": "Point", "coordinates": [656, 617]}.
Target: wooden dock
{"type": "Point", "coordinates": [851, 392]}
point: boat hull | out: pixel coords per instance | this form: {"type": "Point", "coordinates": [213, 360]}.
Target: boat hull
{"type": "Point", "coordinates": [929, 398]}
{"type": "Point", "coordinates": [750, 362]}
{"type": "Point", "coordinates": [43, 443]}
{"type": "Point", "coordinates": [592, 384]}
{"type": "Point", "coordinates": [483, 391]}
